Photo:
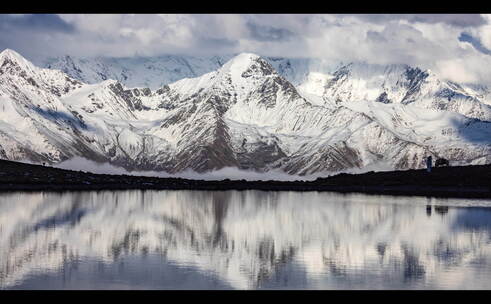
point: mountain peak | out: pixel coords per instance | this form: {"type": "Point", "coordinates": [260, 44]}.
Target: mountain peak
{"type": "Point", "coordinates": [11, 54]}
{"type": "Point", "coordinates": [246, 57]}
{"type": "Point", "coordinates": [8, 51]}
{"type": "Point", "coordinates": [246, 64]}
{"type": "Point", "coordinates": [14, 57]}
{"type": "Point", "coordinates": [241, 61]}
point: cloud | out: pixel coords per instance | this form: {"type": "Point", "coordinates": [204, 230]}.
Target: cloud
{"type": "Point", "coordinates": [82, 164]}
{"type": "Point", "coordinates": [35, 22]}
{"type": "Point", "coordinates": [455, 70]}
{"type": "Point", "coordinates": [475, 42]}
{"type": "Point", "coordinates": [457, 20]}
{"type": "Point", "coordinates": [484, 34]}
{"type": "Point", "coordinates": [268, 33]}
{"type": "Point", "coordinates": [429, 41]}
{"type": "Point", "coordinates": [376, 37]}
{"type": "Point", "coordinates": [77, 163]}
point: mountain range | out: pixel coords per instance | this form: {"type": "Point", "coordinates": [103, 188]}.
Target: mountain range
{"type": "Point", "coordinates": [176, 113]}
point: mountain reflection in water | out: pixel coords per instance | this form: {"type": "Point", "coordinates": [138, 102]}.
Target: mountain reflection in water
{"type": "Point", "coordinates": [248, 239]}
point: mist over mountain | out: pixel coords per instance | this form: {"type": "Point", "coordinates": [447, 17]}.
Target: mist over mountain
{"type": "Point", "coordinates": [298, 116]}
{"type": "Point", "coordinates": [155, 72]}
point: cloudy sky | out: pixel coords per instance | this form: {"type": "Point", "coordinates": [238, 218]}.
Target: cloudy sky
{"type": "Point", "coordinates": [457, 47]}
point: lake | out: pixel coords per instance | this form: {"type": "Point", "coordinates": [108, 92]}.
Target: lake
{"type": "Point", "coordinates": [242, 240]}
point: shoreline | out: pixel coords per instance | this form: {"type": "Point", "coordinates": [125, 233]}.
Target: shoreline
{"type": "Point", "coordinates": [448, 182]}
{"type": "Point", "coordinates": [442, 192]}
{"type": "Point", "coordinates": [391, 191]}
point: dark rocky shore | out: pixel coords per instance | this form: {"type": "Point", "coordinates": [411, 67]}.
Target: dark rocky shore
{"type": "Point", "coordinates": [462, 181]}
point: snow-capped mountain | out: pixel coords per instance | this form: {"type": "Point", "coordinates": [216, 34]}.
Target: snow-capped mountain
{"type": "Point", "coordinates": [399, 84]}
{"type": "Point", "coordinates": [318, 79]}
{"type": "Point", "coordinates": [152, 72]}
{"type": "Point", "coordinates": [155, 72]}
{"type": "Point", "coordinates": [244, 114]}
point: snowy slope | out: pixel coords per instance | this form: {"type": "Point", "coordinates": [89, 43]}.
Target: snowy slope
{"type": "Point", "coordinates": [245, 114]}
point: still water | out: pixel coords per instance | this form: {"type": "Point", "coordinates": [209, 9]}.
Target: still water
{"type": "Point", "coordinates": [242, 240]}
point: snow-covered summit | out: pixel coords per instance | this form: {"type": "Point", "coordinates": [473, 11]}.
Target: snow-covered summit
{"type": "Point", "coordinates": [241, 63]}
{"type": "Point", "coordinates": [11, 59]}
{"type": "Point", "coordinates": [241, 113]}
{"type": "Point", "coordinates": [12, 55]}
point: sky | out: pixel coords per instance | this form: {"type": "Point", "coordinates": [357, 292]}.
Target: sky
{"type": "Point", "coordinates": [455, 46]}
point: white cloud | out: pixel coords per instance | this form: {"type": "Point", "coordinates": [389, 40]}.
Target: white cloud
{"type": "Point", "coordinates": [455, 70]}
{"type": "Point", "coordinates": [85, 165]}
{"type": "Point", "coordinates": [484, 33]}
{"type": "Point", "coordinates": [427, 41]}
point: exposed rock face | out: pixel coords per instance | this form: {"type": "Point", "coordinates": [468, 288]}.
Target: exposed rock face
{"type": "Point", "coordinates": [245, 115]}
